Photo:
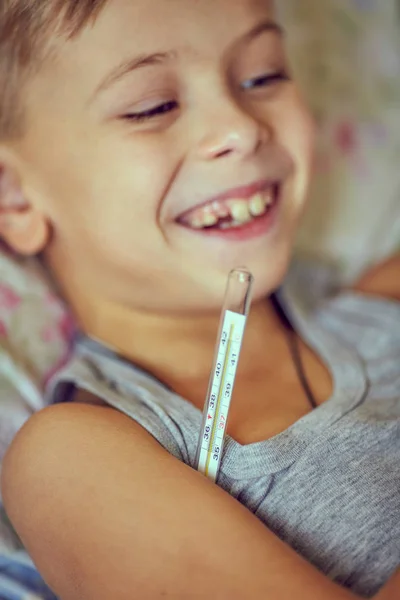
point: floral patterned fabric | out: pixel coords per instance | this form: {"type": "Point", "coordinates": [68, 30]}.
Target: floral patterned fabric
{"type": "Point", "coordinates": [35, 333]}
{"type": "Point", "coordinates": [346, 54]}
{"type": "Point", "coordinates": [35, 337]}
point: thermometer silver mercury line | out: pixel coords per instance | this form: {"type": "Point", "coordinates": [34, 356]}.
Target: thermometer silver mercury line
{"type": "Point", "coordinates": [229, 341]}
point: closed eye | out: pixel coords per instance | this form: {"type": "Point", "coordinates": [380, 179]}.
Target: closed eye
{"type": "Point", "coordinates": [151, 113]}
{"type": "Point", "coordinates": [265, 80]}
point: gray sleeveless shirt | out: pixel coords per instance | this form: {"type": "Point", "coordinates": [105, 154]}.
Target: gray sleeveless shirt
{"type": "Point", "coordinates": [329, 485]}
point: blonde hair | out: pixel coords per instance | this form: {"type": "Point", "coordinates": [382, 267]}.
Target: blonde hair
{"type": "Point", "coordinates": [26, 29]}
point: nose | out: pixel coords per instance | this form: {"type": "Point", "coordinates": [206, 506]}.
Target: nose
{"type": "Point", "coordinates": [228, 129]}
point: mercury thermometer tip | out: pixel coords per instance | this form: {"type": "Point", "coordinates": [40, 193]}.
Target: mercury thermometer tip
{"type": "Point", "coordinates": [238, 291]}
{"type": "Point", "coordinates": [243, 274]}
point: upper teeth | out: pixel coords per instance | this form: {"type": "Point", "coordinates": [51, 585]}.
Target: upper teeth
{"type": "Point", "coordinates": [258, 204]}
{"type": "Point", "coordinates": [241, 210]}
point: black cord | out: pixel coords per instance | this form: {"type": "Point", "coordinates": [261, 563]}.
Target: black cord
{"type": "Point", "coordinates": [298, 362]}
{"type": "Point", "coordinates": [294, 349]}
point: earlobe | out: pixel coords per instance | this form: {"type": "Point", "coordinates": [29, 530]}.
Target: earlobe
{"type": "Point", "coordinates": [22, 227]}
{"type": "Point", "coordinates": [27, 232]}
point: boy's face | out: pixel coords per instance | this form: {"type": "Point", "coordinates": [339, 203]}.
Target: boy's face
{"type": "Point", "coordinates": [160, 108]}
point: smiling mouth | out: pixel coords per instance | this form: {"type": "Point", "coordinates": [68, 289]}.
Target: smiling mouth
{"type": "Point", "coordinates": [231, 213]}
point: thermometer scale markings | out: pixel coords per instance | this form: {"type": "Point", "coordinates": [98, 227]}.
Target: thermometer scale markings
{"type": "Point", "coordinates": [221, 393]}
{"type": "Point", "coordinates": [217, 408]}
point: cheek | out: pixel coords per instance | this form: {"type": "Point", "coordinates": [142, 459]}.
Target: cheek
{"type": "Point", "coordinates": [296, 134]}
{"type": "Point", "coordinates": [302, 130]}
{"type": "Point", "coordinates": [114, 191]}
{"type": "Point", "coordinates": [132, 186]}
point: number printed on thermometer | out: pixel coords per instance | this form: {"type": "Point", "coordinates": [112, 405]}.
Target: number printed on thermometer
{"type": "Point", "coordinates": [220, 394]}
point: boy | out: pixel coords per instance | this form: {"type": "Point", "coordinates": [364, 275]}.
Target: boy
{"type": "Point", "coordinates": [148, 147]}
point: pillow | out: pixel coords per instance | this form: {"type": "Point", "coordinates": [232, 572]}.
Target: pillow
{"type": "Point", "coordinates": [35, 339]}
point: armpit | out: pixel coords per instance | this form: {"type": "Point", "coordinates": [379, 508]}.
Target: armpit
{"type": "Point", "coordinates": [83, 397]}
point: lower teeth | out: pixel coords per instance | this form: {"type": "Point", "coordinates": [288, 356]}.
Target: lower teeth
{"type": "Point", "coordinates": [231, 224]}
{"type": "Point", "coordinates": [234, 224]}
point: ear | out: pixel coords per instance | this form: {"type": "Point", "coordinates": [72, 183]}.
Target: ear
{"type": "Point", "coordinates": [24, 229]}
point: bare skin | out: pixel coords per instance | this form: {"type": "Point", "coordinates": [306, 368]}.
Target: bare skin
{"type": "Point", "coordinates": [98, 191]}
{"type": "Point", "coordinates": [134, 278]}
{"type": "Point", "coordinates": [149, 537]}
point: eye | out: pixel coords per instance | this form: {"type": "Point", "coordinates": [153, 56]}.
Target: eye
{"type": "Point", "coordinates": [265, 80]}
{"type": "Point", "coordinates": [151, 113]}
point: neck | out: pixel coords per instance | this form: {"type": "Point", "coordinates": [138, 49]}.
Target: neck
{"type": "Point", "coordinates": [178, 350]}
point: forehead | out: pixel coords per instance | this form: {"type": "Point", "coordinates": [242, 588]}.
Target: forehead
{"type": "Point", "coordinates": [161, 14]}
{"type": "Point", "coordinates": [124, 25]}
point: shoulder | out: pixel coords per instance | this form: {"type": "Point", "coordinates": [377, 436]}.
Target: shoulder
{"type": "Point", "coordinates": [59, 446]}
{"type": "Point", "coordinates": [71, 475]}
{"type": "Point", "coordinates": [382, 280]}
{"type": "Point", "coordinates": [61, 431]}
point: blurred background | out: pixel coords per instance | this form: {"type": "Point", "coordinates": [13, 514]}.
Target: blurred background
{"type": "Point", "coordinates": [346, 55]}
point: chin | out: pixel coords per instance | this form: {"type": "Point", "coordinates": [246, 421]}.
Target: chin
{"type": "Point", "coordinates": [269, 274]}
{"type": "Point", "coordinates": [269, 277]}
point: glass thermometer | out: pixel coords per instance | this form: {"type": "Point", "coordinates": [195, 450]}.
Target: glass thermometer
{"type": "Point", "coordinates": [219, 394]}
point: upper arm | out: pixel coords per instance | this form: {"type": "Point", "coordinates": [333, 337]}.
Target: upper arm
{"type": "Point", "coordinates": [106, 513]}
{"type": "Point", "coordinates": [392, 590]}
{"type": "Point", "coordinates": [382, 280]}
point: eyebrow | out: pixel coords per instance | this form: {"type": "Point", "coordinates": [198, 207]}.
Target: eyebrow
{"type": "Point", "coordinates": [267, 26]}
{"type": "Point", "coordinates": [147, 60]}
{"type": "Point", "coordinates": [138, 62]}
